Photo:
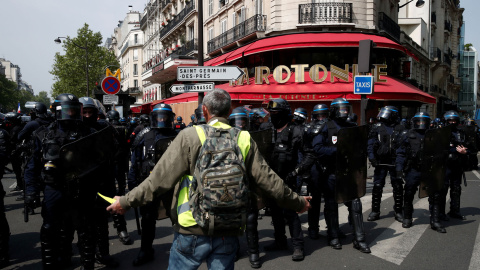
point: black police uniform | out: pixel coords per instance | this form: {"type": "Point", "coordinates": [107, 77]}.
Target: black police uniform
{"type": "Point", "coordinates": [13, 127]}
{"type": "Point", "coordinates": [179, 126]}
{"type": "Point", "coordinates": [409, 160]}
{"type": "Point", "coordinates": [383, 141]}
{"type": "Point", "coordinates": [4, 228]}
{"type": "Point", "coordinates": [143, 161]}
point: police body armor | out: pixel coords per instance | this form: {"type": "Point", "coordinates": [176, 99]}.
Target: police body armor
{"type": "Point", "coordinates": [431, 158]}
{"type": "Point", "coordinates": [351, 163]}
{"type": "Point", "coordinates": [282, 159]}
{"type": "Point", "coordinates": [385, 148]}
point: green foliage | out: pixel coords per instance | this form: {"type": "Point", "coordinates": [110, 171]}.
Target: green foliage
{"type": "Point", "coordinates": [8, 90]}
{"type": "Point", "coordinates": [69, 70]}
{"type": "Point", "coordinates": [467, 46]}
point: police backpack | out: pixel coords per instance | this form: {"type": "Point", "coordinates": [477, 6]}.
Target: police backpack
{"type": "Point", "coordinates": [219, 194]}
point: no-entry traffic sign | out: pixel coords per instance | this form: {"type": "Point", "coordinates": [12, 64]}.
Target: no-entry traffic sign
{"type": "Point", "coordinates": [110, 85]}
{"type": "Point", "coordinates": [204, 73]}
{"type": "Point", "coordinates": [192, 87]}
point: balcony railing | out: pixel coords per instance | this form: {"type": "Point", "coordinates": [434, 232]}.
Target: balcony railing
{"type": "Point", "coordinates": [134, 90]}
{"type": "Point", "coordinates": [317, 13]}
{"type": "Point", "coordinates": [257, 23]}
{"type": "Point", "coordinates": [436, 54]}
{"type": "Point", "coordinates": [188, 47]}
{"type": "Point", "coordinates": [177, 19]}
{"type": "Point", "coordinates": [388, 25]}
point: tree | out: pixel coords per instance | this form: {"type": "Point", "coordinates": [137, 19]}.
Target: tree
{"type": "Point", "coordinates": [69, 70]}
{"type": "Point", "coordinates": [8, 94]}
{"type": "Point", "coordinates": [43, 98]}
{"type": "Point", "coordinates": [467, 46]}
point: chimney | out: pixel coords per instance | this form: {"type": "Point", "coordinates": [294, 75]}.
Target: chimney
{"type": "Point", "coordinates": [130, 8]}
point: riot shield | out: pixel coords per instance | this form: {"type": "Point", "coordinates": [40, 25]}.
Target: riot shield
{"type": "Point", "coordinates": [82, 157]}
{"type": "Point", "coordinates": [161, 146]}
{"type": "Point", "coordinates": [434, 158]}
{"type": "Point", "coordinates": [351, 171]}
{"type": "Point", "coordinates": [264, 141]}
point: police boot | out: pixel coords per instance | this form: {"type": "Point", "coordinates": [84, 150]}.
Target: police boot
{"type": "Point", "coordinates": [121, 225]}
{"type": "Point", "coordinates": [144, 256]}
{"type": "Point", "coordinates": [398, 200]}
{"type": "Point", "coordinates": [4, 240]}
{"type": "Point", "coordinates": [376, 200]}
{"type": "Point", "coordinates": [443, 202]}
{"type": "Point", "coordinates": [48, 246]}
{"type": "Point", "coordinates": [252, 238]}
{"type": "Point", "coordinates": [87, 251]}
{"type": "Point", "coordinates": [435, 215]}
{"type": "Point", "coordinates": [103, 253]}
{"type": "Point", "coordinates": [407, 209]}
{"type": "Point", "coordinates": [455, 193]}
{"type": "Point", "coordinates": [65, 251]}
{"type": "Point", "coordinates": [358, 229]}
{"type": "Point", "coordinates": [333, 230]}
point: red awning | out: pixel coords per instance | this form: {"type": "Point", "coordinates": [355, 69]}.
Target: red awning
{"type": "Point", "coordinates": [305, 40]}
{"type": "Point", "coordinates": [137, 109]}
{"type": "Point", "coordinates": [394, 90]}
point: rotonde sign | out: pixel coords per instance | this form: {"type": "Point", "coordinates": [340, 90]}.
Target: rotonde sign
{"type": "Point", "coordinates": [282, 74]}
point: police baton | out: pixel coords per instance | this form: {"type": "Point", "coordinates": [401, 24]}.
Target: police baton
{"type": "Point", "coordinates": [137, 219]}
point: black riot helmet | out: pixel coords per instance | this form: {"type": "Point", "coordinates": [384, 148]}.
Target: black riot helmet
{"type": "Point", "coordinates": [179, 119]}
{"type": "Point", "coordinates": [162, 116]}
{"type": "Point", "coordinates": [67, 107]}
{"type": "Point", "coordinates": [340, 109]}
{"type": "Point", "coordinates": [300, 115]}
{"type": "Point", "coordinates": [421, 120]}
{"type": "Point", "coordinates": [144, 119]}
{"type": "Point", "coordinates": [113, 117]}
{"type": "Point", "coordinates": [388, 115]}
{"type": "Point", "coordinates": [12, 119]}
{"type": "Point", "coordinates": [352, 118]}
{"type": "Point", "coordinates": [470, 122]}
{"type": "Point", "coordinates": [239, 118]}
{"type": "Point", "coordinates": [192, 117]}
{"type": "Point", "coordinates": [320, 112]}
{"type": "Point", "coordinates": [199, 116]}
{"type": "Point", "coordinates": [37, 109]}
{"type": "Point", "coordinates": [90, 115]}
{"type": "Point", "coordinates": [452, 118]}
{"type": "Point", "coordinates": [280, 112]}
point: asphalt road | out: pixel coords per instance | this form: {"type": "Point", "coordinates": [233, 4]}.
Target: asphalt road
{"type": "Point", "coordinates": [392, 246]}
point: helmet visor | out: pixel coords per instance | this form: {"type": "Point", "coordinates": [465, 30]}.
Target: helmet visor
{"type": "Point", "coordinates": [69, 112]}
{"type": "Point", "coordinates": [161, 119]}
{"type": "Point", "coordinates": [384, 114]}
{"type": "Point", "coordinates": [344, 111]}
{"type": "Point", "coordinates": [421, 123]}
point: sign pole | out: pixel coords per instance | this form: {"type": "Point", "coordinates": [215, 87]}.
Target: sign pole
{"type": "Point", "coordinates": [363, 109]}
{"type": "Point", "coordinates": [200, 46]}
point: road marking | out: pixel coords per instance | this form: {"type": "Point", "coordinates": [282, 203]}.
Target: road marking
{"type": "Point", "coordinates": [476, 174]}
{"type": "Point", "coordinates": [475, 259]}
{"type": "Point", "coordinates": [396, 242]}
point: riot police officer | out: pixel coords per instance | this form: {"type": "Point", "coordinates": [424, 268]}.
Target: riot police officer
{"type": "Point", "coordinates": [326, 151]}
{"type": "Point", "coordinates": [199, 117]}
{"type": "Point", "coordinates": [284, 159]}
{"type": "Point", "coordinates": [143, 122]}
{"type": "Point", "coordinates": [409, 161]}
{"type": "Point", "coordinates": [13, 125]}
{"type": "Point", "coordinates": [192, 121]}
{"type": "Point", "coordinates": [239, 118]}
{"type": "Point", "coordinates": [383, 141]}
{"type": "Point", "coordinates": [4, 228]}
{"type": "Point", "coordinates": [179, 125]}
{"type": "Point", "coordinates": [471, 128]}
{"type": "Point", "coordinates": [457, 159]}
{"type": "Point", "coordinates": [144, 157]}
{"type": "Point", "coordinates": [68, 199]}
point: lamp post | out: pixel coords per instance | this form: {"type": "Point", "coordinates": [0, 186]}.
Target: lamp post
{"type": "Point", "coordinates": [58, 41]}
{"type": "Point", "coordinates": [419, 4]}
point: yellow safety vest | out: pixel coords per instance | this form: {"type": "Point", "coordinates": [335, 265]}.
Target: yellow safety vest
{"type": "Point", "coordinates": [185, 217]}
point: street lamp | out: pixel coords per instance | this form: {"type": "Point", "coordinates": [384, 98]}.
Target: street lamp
{"type": "Point", "coordinates": [419, 4]}
{"type": "Point", "coordinates": [58, 41]}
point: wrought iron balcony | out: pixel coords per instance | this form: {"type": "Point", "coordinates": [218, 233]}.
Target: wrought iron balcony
{"type": "Point", "coordinates": [257, 23]}
{"type": "Point", "coordinates": [388, 25]}
{"type": "Point", "coordinates": [320, 13]}
{"type": "Point", "coordinates": [134, 90]}
{"type": "Point", "coordinates": [177, 19]}
{"type": "Point", "coordinates": [188, 47]}
{"type": "Point", "coordinates": [436, 54]}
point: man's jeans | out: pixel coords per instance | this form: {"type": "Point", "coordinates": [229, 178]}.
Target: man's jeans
{"type": "Point", "coordinates": [189, 251]}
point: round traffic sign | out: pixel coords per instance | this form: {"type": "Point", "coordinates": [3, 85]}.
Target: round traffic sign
{"type": "Point", "coordinates": [111, 85]}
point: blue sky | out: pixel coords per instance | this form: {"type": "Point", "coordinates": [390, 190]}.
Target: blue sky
{"type": "Point", "coordinates": [30, 26]}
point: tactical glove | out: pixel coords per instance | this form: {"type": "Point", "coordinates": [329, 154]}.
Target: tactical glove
{"type": "Point", "coordinates": [374, 162]}
{"type": "Point", "coordinates": [32, 200]}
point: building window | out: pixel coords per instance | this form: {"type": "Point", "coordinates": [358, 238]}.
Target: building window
{"type": "Point", "coordinates": [135, 69]}
{"type": "Point", "coordinates": [210, 7]}
{"type": "Point", "coordinates": [135, 38]}
{"type": "Point", "coordinates": [191, 32]}
{"type": "Point", "coordinates": [135, 54]}
{"type": "Point", "coordinates": [223, 26]}
{"type": "Point", "coordinates": [135, 83]}
{"type": "Point", "coordinates": [210, 33]}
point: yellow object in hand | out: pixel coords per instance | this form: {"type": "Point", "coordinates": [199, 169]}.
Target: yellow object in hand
{"type": "Point", "coordinates": [110, 200]}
